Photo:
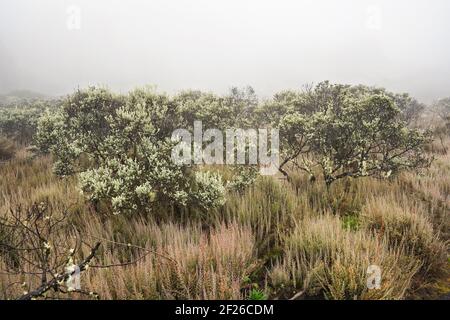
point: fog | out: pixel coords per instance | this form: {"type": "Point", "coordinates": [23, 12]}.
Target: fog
{"type": "Point", "coordinates": [55, 46]}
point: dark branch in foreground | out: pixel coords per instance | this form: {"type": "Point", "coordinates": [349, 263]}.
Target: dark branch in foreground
{"type": "Point", "coordinates": [54, 283]}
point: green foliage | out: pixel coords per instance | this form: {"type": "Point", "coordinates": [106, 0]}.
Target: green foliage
{"type": "Point", "coordinates": [350, 222]}
{"type": "Point", "coordinates": [257, 294]}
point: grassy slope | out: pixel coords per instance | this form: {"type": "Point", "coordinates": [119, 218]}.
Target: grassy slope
{"type": "Point", "coordinates": [284, 239]}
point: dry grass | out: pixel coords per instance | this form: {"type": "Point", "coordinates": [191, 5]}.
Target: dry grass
{"type": "Point", "coordinates": [407, 225]}
{"type": "Point", "coordinates": [200, 266]}
{"type": "Point", "coordinates": [323, 258]}
{"type": "Point", "coordinates": [25, 181]}
{"type": "Point", "coordinates": [269, 208]}
{"type": "Point", "coordinates": [7, 149]}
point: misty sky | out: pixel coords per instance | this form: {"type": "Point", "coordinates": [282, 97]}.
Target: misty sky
{"type": "Point", "coordinates": [55, 46]}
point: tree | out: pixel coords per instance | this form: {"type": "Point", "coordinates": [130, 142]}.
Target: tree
{"type": "Point", "coordinates": [442, 109]}
{"type": "Point", "coordinates": [345, 131]}
{"type": "Point", "coordinates": [412, 109]}
{"type": "Point", "coordinates": [291, 112]}
{"type": "Point", "coordinates": [365, 138]}
{"type": "Point", "coordinates": [121, 149]}
{"type": "Point", "coordinates": [295, 134]}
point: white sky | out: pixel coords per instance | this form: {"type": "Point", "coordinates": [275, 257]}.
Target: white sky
{"type": "Point", "coordinates": [212, 45]}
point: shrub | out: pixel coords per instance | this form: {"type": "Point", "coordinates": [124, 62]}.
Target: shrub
{"type": "Point", "coordinates": [20, 121]}
{"type": "Point", "coordinates": [121, 147]}
{"type": "Point", "coordinates": [234, 110]}
{"type": "Point", "coordinates": [243, 177]}
{"type": "Point", "coordinates": [209, 190]}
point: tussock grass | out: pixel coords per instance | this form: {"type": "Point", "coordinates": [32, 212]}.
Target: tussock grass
{"type": "Point", "coordinates": [407, 226]}
{"type": "Point", "coordinates": [324, 259]}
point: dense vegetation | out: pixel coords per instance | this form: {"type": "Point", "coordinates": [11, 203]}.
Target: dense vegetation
{"type": "Point", "coordinates": [102, 162]}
